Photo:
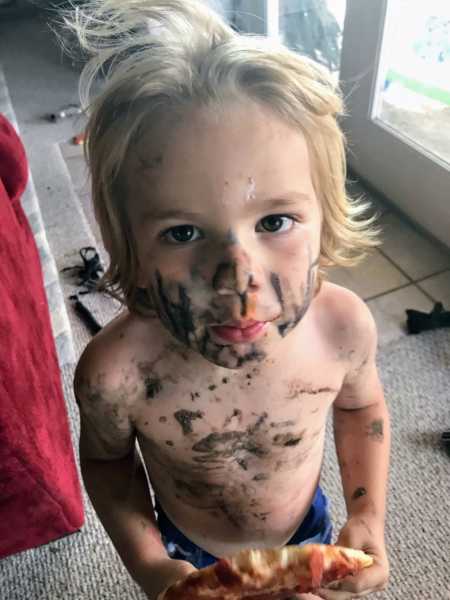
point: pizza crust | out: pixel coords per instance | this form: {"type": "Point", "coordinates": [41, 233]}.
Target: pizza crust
{"type": "Point", "coordinates": [298, 569]}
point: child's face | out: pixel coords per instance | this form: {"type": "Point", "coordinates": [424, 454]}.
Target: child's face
{"type": "Point", "coordinates": [227, 226]}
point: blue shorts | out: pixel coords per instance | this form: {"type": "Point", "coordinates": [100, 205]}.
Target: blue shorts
{"type": "Point", "coordinates": [315, 528]}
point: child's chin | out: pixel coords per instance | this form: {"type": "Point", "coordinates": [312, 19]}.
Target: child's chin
{"type": "Point", "coordinates": [237, 356]}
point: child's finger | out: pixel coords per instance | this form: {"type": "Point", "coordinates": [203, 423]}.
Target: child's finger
{"type": "Point", "coordinates": [373, 579]}
{"type": "Point", "coordinates": [328, 594]}
{"type": "Point", "coordinates": [285, 596]}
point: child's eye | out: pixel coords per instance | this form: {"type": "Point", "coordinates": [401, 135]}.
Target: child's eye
{"type": "Point", "coordinates": [182, 234]}
{"type": "Point", "coordinates": [275, 224]}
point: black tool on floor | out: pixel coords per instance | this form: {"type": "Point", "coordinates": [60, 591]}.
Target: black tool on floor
{"type": "Point", "coordinates": [89, 272]}
{"type": "Point", "coordinates": [419, 321]}
{"type": "Point", "coordinates": [85, 314]}
{"type": "Point", "coordinates": [445, 439]}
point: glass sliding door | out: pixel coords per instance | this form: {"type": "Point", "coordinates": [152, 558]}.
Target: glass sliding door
{"type": "Point", "coordinates": [395, 72]}
{"type": "Point", "coordinates": [310, 27]}
{"type": "Point", "coordinates": [412, 96]}
{"type": "Point", "coordinates": [313, 28]}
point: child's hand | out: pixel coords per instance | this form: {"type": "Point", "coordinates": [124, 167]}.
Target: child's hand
{"type": "Point", "coordinates": [361, 532]}
{"type": "Point", "coordinates": [157, 579]}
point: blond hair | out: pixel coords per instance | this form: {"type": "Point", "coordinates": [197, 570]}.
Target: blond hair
{"type": "Point", "coordinates": [161, 57]}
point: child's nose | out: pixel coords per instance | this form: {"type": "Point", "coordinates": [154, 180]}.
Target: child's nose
{"type": "Point", "coordinates": [231, 278]}
{"type": "Point", "coordinates": [234, 274]}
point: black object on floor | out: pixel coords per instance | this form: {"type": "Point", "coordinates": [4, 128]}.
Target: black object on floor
{"type": "Point", "coordinates": [89, 272]}
{"type": "Point", "coordinates": [445, 438]}
{"type": "Point", "coordinates": [419, 321]}
{"type": "Point", "coordinates": [71, 110]}
{"type": "Point", "coordinates": [85, 314]}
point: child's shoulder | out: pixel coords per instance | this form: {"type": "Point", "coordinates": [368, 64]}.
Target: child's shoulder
{"type": "Point", "coordinates": [111, 358]}
{"type": "Point", "coordinates": [344, 316]}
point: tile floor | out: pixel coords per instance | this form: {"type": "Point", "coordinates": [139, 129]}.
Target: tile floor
{"type": "Point", "coordinates": [409, 270]}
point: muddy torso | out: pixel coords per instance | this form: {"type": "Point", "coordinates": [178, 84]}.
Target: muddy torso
{"type": "Point", "coordinates": [234, 456]}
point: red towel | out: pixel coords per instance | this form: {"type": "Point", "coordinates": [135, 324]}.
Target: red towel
{"type": "Point", "coordinates": [40, 497]}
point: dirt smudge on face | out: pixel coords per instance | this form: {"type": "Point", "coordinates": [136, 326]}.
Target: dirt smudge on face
{"type": "Point", "coordinates": [231, 238]}
{"type": "Point", "coordinates": [275, 281]}
{"type": "Point", "coordinates": [178, 315]}
{"type": "Point", "coordinates": [261, 516]}
{"type": "Point", "coordinates": [226, 277]}
{"type": "Point", "coordinates": [187, 321]}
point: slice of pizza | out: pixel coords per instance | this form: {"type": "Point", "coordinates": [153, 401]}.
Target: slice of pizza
{"type": "Point", "coordinates": [252, 573]}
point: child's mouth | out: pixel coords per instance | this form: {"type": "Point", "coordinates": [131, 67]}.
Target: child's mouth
{"type": "Point", "coordinates": [244, 331]}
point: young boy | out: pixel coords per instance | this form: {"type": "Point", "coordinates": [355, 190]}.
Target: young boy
{"type": "Point", "coordinates": [218, 183]}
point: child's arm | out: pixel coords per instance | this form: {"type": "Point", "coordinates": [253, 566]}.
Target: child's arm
{"type": "Point", "coordinates": [117, 486]}
{"type": "Point", "coordinates": [362, 437]}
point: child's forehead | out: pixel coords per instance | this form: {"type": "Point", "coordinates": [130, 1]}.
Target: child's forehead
{"type": "Point", "coordinates": [230, 133]}
{"type": "Point", "coordinates": [229, 162]}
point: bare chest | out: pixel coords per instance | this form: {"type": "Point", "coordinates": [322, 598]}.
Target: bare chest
{"type": "Point", "coordinates": [247, 420]}
{"type": "Point", "coordinates": [238, 454]}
